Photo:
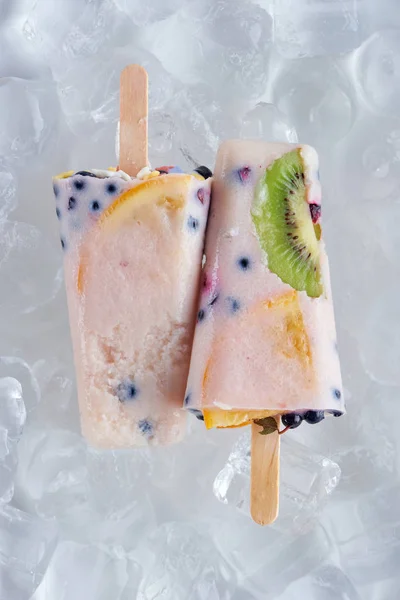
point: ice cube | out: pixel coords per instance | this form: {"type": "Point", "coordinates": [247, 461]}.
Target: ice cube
{"type": "Point", "coordinates": [28, 119]}
{"type": "Point", "coordinates": [378, 71]}
{"type": "Point", "coordinates": [63, 32]}
{"type": "Point", "coordinates": [79, 572]}
{"type": "Point", "coordinates": [325, 583]}
{"type": "Point", "coordinates": [317, 98]}
{"type": "Point", "coordinates": [367, 534]}
{"type": "Point", "coordinates": [318, 27]}
{"type": "Point", "coordinates": [265, 560]}
{"type": "Point", "coordinates": [379, 344]}
{"type": "Point", "coordinates": [26, 546]}
{"type": "Point", "coordinates": [195, 47]}
{"type": "Point", "coordinates": [181, 562]}
{"type": "Point", "coordinates": [25, 287]}
{"type": "Point", "coordinates": [91, 102]}
{"type": "Point", "coordinates": [307, 480]}
{"type": "Point", "coordinates": [266, 121]}
{"type": "Point", "coordinates": [8, 200]}
{"type": "Point", "coordinates": [143, 14]}
{"type": "Point", "coordinates": [12, 409]}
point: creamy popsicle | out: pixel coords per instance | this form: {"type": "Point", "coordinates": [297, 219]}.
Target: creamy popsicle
{"type": "Point", "coordinates": [133, 249]}
{"type": "Point", "coordinates": [265, 338]}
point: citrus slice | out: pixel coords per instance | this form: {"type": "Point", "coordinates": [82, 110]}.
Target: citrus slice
{"type": "Point", "coordinates": [168, 190]}
{"type": "Point", "coordinates": [260, 366]}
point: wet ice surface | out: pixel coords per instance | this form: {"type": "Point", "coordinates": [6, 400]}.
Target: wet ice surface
{"type": "Point", "coordinates": [173, 523]}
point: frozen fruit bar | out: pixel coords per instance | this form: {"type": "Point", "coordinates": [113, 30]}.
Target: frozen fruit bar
{"type": "Point", "coordinates": [265, 339]}
{"type": "Point", "coordinates": [132, 259]}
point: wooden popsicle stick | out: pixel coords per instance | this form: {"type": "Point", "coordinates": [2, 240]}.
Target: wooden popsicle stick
{"type": "Point", "coordinates": [133, 120]}
{"type": "Point", "coordinates": [264, 494]}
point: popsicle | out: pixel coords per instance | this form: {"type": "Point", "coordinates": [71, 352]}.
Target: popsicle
{"type": "Point", "coordinates": [265, 339]}
{"type": "Point", "coordinates": [133, 247]}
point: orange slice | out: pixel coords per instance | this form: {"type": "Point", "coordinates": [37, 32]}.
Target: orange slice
{"type": "Point", "coordinates": [216, 417]}
{"type": "Point", "coordinates": [169, 190]}
{"type": "Point", "coordinates": [264, 358]}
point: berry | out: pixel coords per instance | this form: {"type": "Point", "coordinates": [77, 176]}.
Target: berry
{"type": "Point", "coordinates": [146, 428]}
{"type": "Point", "coordinates": [197, 413]}
{"type": "Point", "coordinates": [337, 393]}
{"type": "Point", "coordinates": [314, 416]}
{"type": "Point", "coordinates": [187, 399]}
{"type": "Point", "coordinates": [214, 300]}
{"type": "Point", "coordinates": [71, 203]}
{"type": "Point", "coordinates": [111, 188]}
{"type": "Point", "coordinates": [244, 174]}
{"type": "Point", "coordinates": [56, 189]}
{"type": "Point", "coordinates": [234, 304]}
{"type": "Point", "coordinates": [193, 223]}
{"type": "Point", "coordinates": [336, 413]}
{"type": "Point", "coordinates": [200, 195]}
{"type": "Point", "coordinates": [292, 420]}
{"type": "Point", "coordinates": [244, 263]}
{"type": "Point", "coordinates": [58, 213]}
{"type": "Point", "coordinates": [63, 243]}
{"type": "Point", "coordinates": [126, 391]}
{"type": "Point", "coordinates": [86, 174]}
{"type": "Point", "coordinates": [95, 206]}
{"type": "Point", "coordinates": [315, 211]}
{"type": "Point", "coordinates": [79, 184]}
{"type": "Point", "coordinates": [201, 314]}
{"type": "Point", "coordinates": [204, 172]}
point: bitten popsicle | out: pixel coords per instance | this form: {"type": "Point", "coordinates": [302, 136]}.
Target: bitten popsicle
{"type": "Point", "coordinates": [265, 339]}
{"type": "Point", "coordinates": [133, 247]}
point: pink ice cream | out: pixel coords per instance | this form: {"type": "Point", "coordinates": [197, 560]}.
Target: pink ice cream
{"type": "Point", "coordinates": [132, 260]}
{"type": "Point", "coordinates": [261, 344]}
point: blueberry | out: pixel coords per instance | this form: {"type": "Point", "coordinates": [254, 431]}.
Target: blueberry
{"type": "Point", "coordinates": [126, 391]}
{"type": "Point", "coordinates": [58, 213]}
{"type": "Point", "coordinates": [187, 399]}
{"type": "Point", "coordinates": [201, 314]}
{"type": "Point", "coordinates": [146, 428]}
{"type": "Point", "coordinates": [79, 184]}
{"type": "Point", "coordinates": [336, 413]}
{"type": "Point", "coordinates": [337, 393]}
{"type": "Point", "coordinates": [197, 413]}
{"type": "Point", "coordinates": [111, 188]}
{"type": "Point", "coordinates": [63, 243]}
{"type": "Point", "coordinates": [244, 263]}
{"type": "Point", "coordinates": [214, 300]}
{"type": "Point", "coordinates": [244, 174]}
{"type": "Point", "coordinates": [204, 172]}
{"type": "Point", "coordinates": [95, 206]}
{"type": "Point", "coordinates": [193, 223]}
{"type": "Point", "coordinates": [315, 211]}
{"type": "Point", "coordinates": [86, 174]}
{"type": "Point", "coordinates": [314, 416]}
{"type": "Point", "coordinates": [234, 304]}
{"type": "Point", "coordinates": [71, 203]}
{"type": "Point", "coordinates": [292, 420]}
{"type": "Point", "coordinates": [56, 189]}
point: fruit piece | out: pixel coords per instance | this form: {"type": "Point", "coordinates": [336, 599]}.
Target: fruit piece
{"type": "Point", "coordinates": [204, 172]}
{"type": "Point", "coordinates": [244, 174]}
{"type": "Point", "coordinates": [292, 420]}
{"type": "Point", "coordinates": [315, 210]}
{"type": "Point", "coordinates": [284, 226]}
{"type": "Point", "coordinates": [276, 328]}
{"type": "Point", "coordinates": [244, 263]}
{"type": "Point", "coordinates": [216, 417]}
{"type": "Point", "coordinates": [125, 208]}
{"type": "Point", "coordinates": [314, 416]}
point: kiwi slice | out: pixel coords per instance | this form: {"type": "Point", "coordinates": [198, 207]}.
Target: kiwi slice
{"type": "Point", "coordinates": [284, 226]}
